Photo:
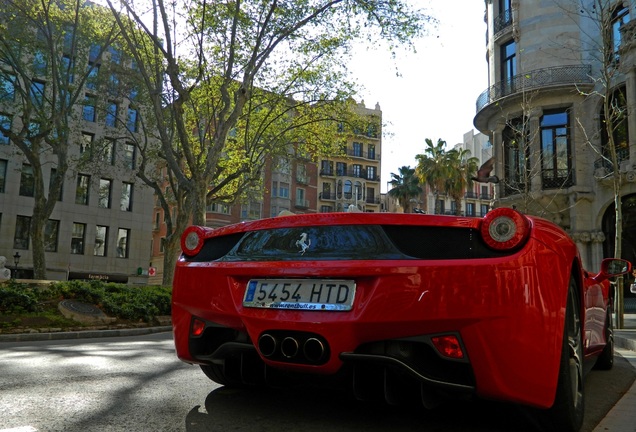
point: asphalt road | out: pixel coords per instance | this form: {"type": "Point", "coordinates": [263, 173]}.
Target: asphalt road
{"type": "Point", "coordinates": [138, 384]}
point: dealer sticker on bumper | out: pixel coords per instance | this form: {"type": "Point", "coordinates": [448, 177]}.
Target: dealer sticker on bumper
{"type": "Point", "coordinates": [300, 294]}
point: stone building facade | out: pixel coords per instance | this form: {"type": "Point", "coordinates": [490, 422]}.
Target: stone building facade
{"type": "Point", "coordinates": [543, 112]}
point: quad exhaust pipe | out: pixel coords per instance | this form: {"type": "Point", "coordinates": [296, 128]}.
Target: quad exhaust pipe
{"type": "Point", "coordinates": [300, 348]}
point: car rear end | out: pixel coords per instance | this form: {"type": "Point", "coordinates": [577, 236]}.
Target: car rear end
{"type": "Point", "coordinates": [393, 304]}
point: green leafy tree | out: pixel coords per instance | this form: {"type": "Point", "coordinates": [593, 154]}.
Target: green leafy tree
{"type": "Point", "coordinates": [405, 186]}
{"type": "Point", "coordinates": [44, 51]}
{"type": "Point", "coordinates": [433, 168]}
{"type": "Point", "coordinates": [462, 169]}
{"type": "Point", "coordinates": [237, 81]}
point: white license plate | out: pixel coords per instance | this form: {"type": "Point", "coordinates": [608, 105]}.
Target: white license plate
{"type": "Point", "coordinates": [300, 294]}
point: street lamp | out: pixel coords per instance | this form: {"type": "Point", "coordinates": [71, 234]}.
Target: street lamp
{"type": "Point", "coordinates": [16, 261]}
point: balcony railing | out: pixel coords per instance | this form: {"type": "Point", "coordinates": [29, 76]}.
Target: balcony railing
{"type": "Point", "coordinates": [536, 79]}
{"type": "Point", "coordinates": [502, 21]}
{"type": "Point", "coordinates": [366, 155]}
{"type": "Point", "coordinates": [621, 155]}
{"type": "Point", "coordinates": [330, 196]}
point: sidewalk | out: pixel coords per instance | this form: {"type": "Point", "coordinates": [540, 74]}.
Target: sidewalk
{"type": "Point", "coordinates": [622, 418]}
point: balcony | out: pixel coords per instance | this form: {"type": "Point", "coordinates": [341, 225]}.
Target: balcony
{"type": "Point", "coordinates": [327, 196]}
{"type": "Point", "coordinates": [502, 21]}
{"type": "Point", "coordinates": [366, 155]}
{"type": "Point", "coordinates": [536, 79]}
{"type": "Point", "coordinates": [301, 204]}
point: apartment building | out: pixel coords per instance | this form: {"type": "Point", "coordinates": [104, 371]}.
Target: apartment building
{"type": "Point", "coordinates": [543, 113]}
{"type": "Point", "coordinates": [101, 225]}
{"type": "Point", "coordinates": [354, 179]}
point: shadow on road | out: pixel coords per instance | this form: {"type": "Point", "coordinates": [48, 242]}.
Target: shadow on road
{"type": "Point", "coordinates": [314, 410]}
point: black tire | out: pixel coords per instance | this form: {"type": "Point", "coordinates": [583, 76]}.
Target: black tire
{"type": "Point", "coordinates": [215, 373]}
{"type": "Point", "coordinates": [566, 415]}
{"type": "Point", "coordinates": [606, 360]}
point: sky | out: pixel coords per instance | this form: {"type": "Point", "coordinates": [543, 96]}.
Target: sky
{"type": "Point", "coordinates": [436, 93]}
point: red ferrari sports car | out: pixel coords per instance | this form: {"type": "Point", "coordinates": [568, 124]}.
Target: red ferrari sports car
{"type": "Point", "coordinates": [398, 305]}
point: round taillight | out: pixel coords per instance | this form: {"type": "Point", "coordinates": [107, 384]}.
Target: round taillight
{"type": "Point", "coordinates": [505, 229]}
{"type": "Point", "coordinates": [192, 240]}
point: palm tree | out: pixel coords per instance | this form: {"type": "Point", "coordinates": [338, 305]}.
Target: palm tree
{"type": "Point", "coordinates": [405, 186]}
{"type": "Point", "coordinates": [433, 168]}
{"type": "Point", "coordinates": [463, 168]}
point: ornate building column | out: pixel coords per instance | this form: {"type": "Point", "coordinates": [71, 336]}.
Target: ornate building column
{"type": "Point", "coordinates": [590, 245]}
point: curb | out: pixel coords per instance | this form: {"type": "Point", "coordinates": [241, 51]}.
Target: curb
{"type": "Point", "coordinates": [83, 334]}
{"type": "Point", "coordinates": [624, 341]}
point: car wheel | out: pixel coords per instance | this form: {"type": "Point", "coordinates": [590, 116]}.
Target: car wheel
{"type": "Point", "coordinates": [215, 373]}
{"type": "Point", "coordinates": [566, 415]}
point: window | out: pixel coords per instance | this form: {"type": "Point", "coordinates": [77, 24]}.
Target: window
{"type": "Point", "coordinates": [115, 54]}
{"type": "Point", "coordinates": [218, 208]}
{"type": "Point", "coordinates": [129, 155]}
{"type": "Point", "coordinates": [555, 150]}
{"type": "Point", "coordinates": [5, 123]}
{"type": "Point", "coordinates": [123, 237]}
{"type": "Point", "coordinates": [34, 129]}
{"type": "Point", "coordinates": [131, 122]}
{"type": "Point", "coordinates": [68, 66]}
{"type": "Point", "coordinates": [508, 66]}
{"type": "Point", "coordinates": [77, 238]}
{"type": "Point", "coordinates": [348, 189]}
{"type": "Point", "coordinates": [91, 76]}
{"type": "Point", "coordinates": [620, 127]}
{"type": "Point", "coordinates": [113, 84]}
{"type": "Point", "coordinates": [51, 232]}
{"type": "Point", "coordinates": [22, 228]}
{"type": "Point", "coordinates": [283, 190]}
{"type": "Point", "coordinates": [371, 150]}
{"type": "Point", "coordinates": [87, 142]}
{"type": "Point", "coordinates": [7, 87]}
{"type": "Point", "coordinates": [111, 114]}
{"type": "Point", "coordinates": [301, 173]}
{"type": "Point", "coordinates": [251, 210]}
{"type": "Point", "coordinates": [274, 189]}
{"type": "Point", "coordinates": [39, 63]}
{"type": "Point", "coordinates": [371, 173]}
{"type": "Point", "coordinates": [504, 18]}
{"type": "Point", "coordinates": [326, 167]}
{"type": "Point", "coordinates": [82, 189]}
{"type": "Point", "coordinates": [37, 93]}
{"type": "Point", "coordinates": [620, 17]}
{"type": "Point", "coordinates": [105, 186]}
{"type": "Point", "coordinates": [126, 197]}
{"type": "Point", "coordinates": [101, 241]}
{"type": "Point", "coordinates": [300, 198]}
{"type": "Point", "coordinates": [3, 174]}
{"type": "Point", "coordinates": [470, 209]}
{"type": "Point", "coordinates": [484, 209]}
{"type": "Point", "coordinates": [357, 170]}
{"type": "Point", "coordinates": [357, 188]}
{"type": "Point", "coordinates": [341, 168]}
{"type": "Point", "coordinates": [88, 112]}
{"type": "Point", "coordinates": [107, 153]}
{"type": "Point", "coordinates": [27, 184]}
{"type": "Point", "coordinates": [516, 143]}
{"type": "Point", "coordinates": [283, 166]}
{"type": "Point", "coordinates": [357, 149]}
{"type": "Point", "coordinates": [94, 52]}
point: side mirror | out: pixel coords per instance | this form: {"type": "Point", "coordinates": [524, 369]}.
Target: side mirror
{"type": "Point", "coordinates": [615, 266]}
{"type": "Point", "coordinates": [611, 267]}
